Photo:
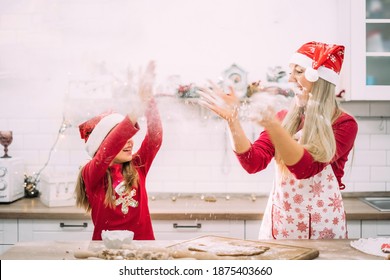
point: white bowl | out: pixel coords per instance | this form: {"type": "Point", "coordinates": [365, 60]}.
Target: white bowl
{"type": "Point", "coordinates": [114, 239]}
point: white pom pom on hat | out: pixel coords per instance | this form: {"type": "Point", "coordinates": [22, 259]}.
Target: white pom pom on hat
{"type": "Point", "coordinates": [311, 74]}
{"type": "Point", "coordinates": [320, 60]}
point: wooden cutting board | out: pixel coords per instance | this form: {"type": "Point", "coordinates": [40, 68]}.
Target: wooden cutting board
{"type": "Point", "coordinates": [275, 251]}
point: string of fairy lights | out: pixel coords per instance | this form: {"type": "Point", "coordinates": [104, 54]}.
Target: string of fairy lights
{"type": "Point", "coordinates": [31, 181]}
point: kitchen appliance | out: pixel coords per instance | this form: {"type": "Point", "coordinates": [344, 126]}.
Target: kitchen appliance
{"type": "Point", "coordinates": [11, 179]}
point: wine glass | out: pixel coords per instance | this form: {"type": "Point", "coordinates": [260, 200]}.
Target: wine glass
{"type": "Point", "coordinates": [5, 140]}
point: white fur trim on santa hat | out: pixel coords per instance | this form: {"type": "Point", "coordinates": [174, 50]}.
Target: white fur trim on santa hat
{"type": "Point", "coordinates": [323, 72]}
{"type": "Point", "coordinates": [100, 132]}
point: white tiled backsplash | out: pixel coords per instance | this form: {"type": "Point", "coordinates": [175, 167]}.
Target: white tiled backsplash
{"type": "Point", "coordinates": [196, 155]}
{"type": "Point", "coordinates": [45, 44]}
{"type": "Point", "coordinates": [368, 168]}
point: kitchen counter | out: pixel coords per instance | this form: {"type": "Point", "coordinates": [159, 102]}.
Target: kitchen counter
{"type": "Point", "coordinates": [64, 250]}
{"type": "Point", "coordinates": [182, 207]}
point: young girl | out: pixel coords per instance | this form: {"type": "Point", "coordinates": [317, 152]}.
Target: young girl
{"type": "Point", "coordinates": [310, 144]}
{"type": "Point", "coordinates": [112, 184]}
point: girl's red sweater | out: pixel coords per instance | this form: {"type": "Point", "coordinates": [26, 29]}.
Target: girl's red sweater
{"type": "Point", "coordinates": [123, 216]}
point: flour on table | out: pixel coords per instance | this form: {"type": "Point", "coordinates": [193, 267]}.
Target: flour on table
{"type": "Point", "coordinates": [371, 246]}
{"type": "Point", "coordinates": [229, 249]}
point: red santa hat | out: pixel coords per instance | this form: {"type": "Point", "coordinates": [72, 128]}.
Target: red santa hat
{"type": "Point", "coordinates": [320, 60]}
{"type": "Point", "coordinates": [96, 129]}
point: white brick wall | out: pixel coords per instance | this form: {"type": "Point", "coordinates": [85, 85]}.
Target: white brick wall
{"type": "Point", "coordinates": [46, 44]}
{"type": "Point", "coordinates": [369, 169]}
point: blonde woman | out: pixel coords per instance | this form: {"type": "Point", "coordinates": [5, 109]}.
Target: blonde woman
{"type": "Point", "coordinates": [310, 143]}
{"type": "Point", "coordinates": [112, 184]}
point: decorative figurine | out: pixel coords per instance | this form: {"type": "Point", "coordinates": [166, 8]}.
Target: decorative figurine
{"type": "Point", "coordinates": [6, 140]}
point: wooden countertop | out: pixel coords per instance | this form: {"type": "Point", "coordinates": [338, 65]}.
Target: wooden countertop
{"type": "Point", "coordinates": [242, 207]}
{"type": "Point", "coordinates": [61, 250]}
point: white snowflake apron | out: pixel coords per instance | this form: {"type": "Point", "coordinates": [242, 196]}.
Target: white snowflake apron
{"type": "Point", "coordinates": [305, 209]}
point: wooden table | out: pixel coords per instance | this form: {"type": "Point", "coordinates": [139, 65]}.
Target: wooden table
{"type": "Point", "coordinates": [64, 250]}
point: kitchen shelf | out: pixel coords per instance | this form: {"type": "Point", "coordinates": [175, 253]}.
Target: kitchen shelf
{"type": "Point", "coordinates": [370, 49]}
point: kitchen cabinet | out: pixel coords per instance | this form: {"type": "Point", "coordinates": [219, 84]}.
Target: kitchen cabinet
{"type": "Point", "coordinates": [51, 230]}
{"type": "Point", "coordinates": [372, 228]}
{"type": "Point", "coordinates": [252, 228]}
{"type": "Point", "coordinates": [354, 229]}
{"type": "Point", "coordinates": [8, 233]}
{"type": "Point", "coordinates": [370, 49]}
{"type": "Point", "coordinates": [188, 229]}
{"type": "Point", "coordinates": [28, 220]}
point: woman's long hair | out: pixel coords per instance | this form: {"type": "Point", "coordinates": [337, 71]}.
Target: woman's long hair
{"type": "Point", "coordinates": [317, 134]}
{"type": "Point", "coordinates": [130, 176]}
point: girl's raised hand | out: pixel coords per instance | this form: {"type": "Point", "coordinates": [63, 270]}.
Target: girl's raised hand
{"type": "Point", "coordinates": [140, 102]}
{"type": "Point", "coordinates": [146, 82]}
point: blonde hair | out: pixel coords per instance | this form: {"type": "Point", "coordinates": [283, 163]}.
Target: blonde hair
{"type": "Point", "coordinates": [317, 134]}
{"type": "Point", "coordinates": [131, 179]}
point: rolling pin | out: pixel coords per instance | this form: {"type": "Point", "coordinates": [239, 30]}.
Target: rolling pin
{"type": "Point", "coordinates": [122, 254]}
{"type": "Point", "coordinates": [177, 254]}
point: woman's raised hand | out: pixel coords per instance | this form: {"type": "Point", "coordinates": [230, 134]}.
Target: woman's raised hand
{"type": "Point", "coordinates": [224, 104]}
